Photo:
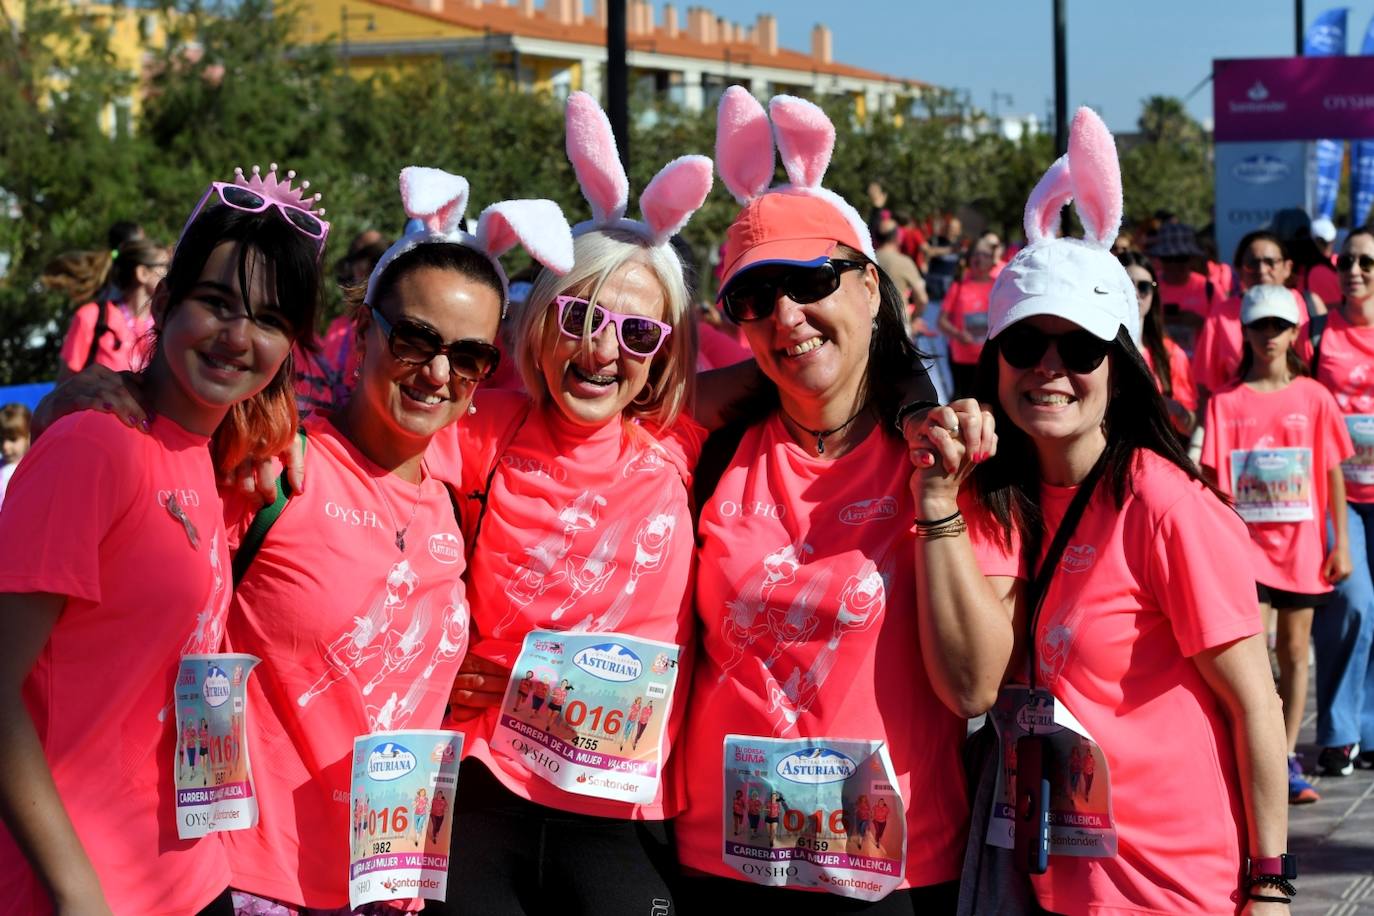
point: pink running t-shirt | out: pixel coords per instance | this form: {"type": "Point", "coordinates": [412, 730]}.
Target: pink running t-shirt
{"type": "Point", "coordinates": [354, 636]}
{"type": "Point", "coordinates": [1136, 596]}
{"type": "Point", "coordinates": [122, 348]}
{"type": "Point", "coordinates": [1346, 369]}
{"type": "Point", "coordinates": [90, 522]}
{"type": "Point", "coordinates": [806, 593]}
{"type": "Point", "coordinates": [1190, 296]}
{"type": "Point", "coordinates": [584, 530]}
{"type": "Point", "coordinates": [1180, 374]}
{"type": "Point", "coordinates": [966, 306]}
{"type": "Point", "coordinates": [1286, 554]}
{"type": "Point", "coordinates": [1220, 343]}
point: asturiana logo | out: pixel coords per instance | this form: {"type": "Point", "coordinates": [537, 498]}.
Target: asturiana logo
{"type": "Point", "coordinates": [389, 761]}
{"type": "Point", "coordinates": [1261, 169]}
{"type": "Point", "coordinates": [1272, 462]}
{"type": "Point", "coordinates": [445, 547]}
{"type": "Point", "coordinates": [610, 661]}
{"type": "Point", "coordinates": [868, 510]}
{"type": "Point", "coordinates": [215, 688]}
{"type": "Point", "coordinates": [815, 766]}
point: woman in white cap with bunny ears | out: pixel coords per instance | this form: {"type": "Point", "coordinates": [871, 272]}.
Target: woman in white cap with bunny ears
{"type": "Point", "coordinates": [819, 680]}
{"type": "Point", "coordinates": [1116, 564]}
{"type": "Point", "coordinates": [577, 512]}
{"type": "Point", "coordinates": [351, 590]}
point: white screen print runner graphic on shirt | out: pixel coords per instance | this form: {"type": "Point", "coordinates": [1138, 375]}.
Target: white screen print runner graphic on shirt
{"type": "Point", "coordinates": [384, 643]}
{"type": "Point", "coordinates": [403, 787]}
{"type": "Point", "coordinates": [821, 813]}
{"type": "Point", "coordinates": [587, 712]}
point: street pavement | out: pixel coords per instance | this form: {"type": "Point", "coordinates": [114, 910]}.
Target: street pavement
{"type": "Point", "coordinates": [1333, 839]}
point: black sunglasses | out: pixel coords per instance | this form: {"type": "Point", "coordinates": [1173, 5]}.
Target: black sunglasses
{"type": "Point", "coordinates": [1024, 345]}
{"type": "Point", "coordinates": [1347, 261]}
{"type": "Point", "coordinates": [416, 345]}
{"type": "Point", "coordinates": [755, 297]}
{"type": "Point", "coordinates": [1271, 325]}
{"type": "Point", "coordinates": [1145, 287]}
{"type": "Point", "coordinates": [1253, 263]}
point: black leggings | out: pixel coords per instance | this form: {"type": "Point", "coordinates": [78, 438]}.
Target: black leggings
{"type": "Point", "coordinates": [223, 905]}
{"type": "Point", "coordinates": [713, 895]}
{"type": "Point", "coordinates": [510, 856]}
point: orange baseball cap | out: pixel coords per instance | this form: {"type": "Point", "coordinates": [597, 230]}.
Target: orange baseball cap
{"type": "Point", "coordinates": [788, 226]}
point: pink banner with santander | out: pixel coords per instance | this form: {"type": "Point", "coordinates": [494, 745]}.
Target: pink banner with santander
{"type": "Point", "coordinates": [1293, 98]}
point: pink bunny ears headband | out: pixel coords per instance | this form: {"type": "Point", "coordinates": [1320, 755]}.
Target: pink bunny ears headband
{"type": "Point", "coordinates": [795, 222]}
{"type": "Point", "coordinates": [674, 194]}
{"type": "Point", "coordinates": [1077, 279]}
{"type": "Point", "coordinates": [438, 200]}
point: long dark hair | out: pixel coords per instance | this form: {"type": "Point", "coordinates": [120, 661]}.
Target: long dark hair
{"type": "Point", "coordinates": [263, 424]}
{"type": "Point", "coordinates": [1008, 484]}
{"type": "Point", "coordinates": [1296, 366]}
{"type": "Point", "coordinates": [1152, 333]}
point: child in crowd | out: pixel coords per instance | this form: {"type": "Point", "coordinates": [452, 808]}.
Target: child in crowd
{"type": "Point", "coordinates": [1274, 443]}
{"type": "Point", "coordinates": [14, 441]}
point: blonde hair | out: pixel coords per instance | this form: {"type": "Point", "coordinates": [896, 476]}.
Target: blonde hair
{"type": "Point", "coordinates": [598, 254]}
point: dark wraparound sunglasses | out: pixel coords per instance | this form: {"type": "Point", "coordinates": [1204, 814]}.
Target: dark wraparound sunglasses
{"type": "Point", "coordinates": [1270, 326]}
{"type": "Point", "coordinates": [1023, 346]}
{"type": "Point", "coordinates": [752, 299]}
{"type": "Point", "coordinates": [416, 345]}
{"type": "Point", "coordinates": [1347, 261]}
{"type": "Point", "coordinates": [1145, 287]}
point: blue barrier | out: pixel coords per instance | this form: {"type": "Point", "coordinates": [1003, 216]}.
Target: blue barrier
{"type": "Point", "coordinates": [28, 395]}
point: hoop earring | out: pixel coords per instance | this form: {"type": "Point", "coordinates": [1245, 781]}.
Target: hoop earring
{"type": "Point", "coordinates": [646, 390]}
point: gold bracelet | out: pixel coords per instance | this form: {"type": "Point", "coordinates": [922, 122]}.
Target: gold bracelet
{"type": "Point", "coordinates": [948, 530]}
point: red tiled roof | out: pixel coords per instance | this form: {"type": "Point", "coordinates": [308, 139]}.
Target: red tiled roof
{"type": "Point", "coordinates": [508, 20]}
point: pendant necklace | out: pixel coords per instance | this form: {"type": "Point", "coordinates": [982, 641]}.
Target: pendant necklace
{"type": "Point", "coordinates": [821, 434]}
{"type": "Point", "coordinates": [400, 532]}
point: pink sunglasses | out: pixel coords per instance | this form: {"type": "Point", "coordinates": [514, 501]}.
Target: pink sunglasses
{"type": "Point", "coordinates": [637, 335]}
{"type": "Point", "coordinates": [240, 196]}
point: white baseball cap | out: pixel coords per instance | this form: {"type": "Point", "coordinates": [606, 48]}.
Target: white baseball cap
{"type": "Point", "coordinates": [1268, 301]}
{"type": "Point", "coordinates": [1079, 280]}
{"type": "Point", "coordinates": [1072, 279]}
{"type": "Point", "coordinates": [1324, 229]}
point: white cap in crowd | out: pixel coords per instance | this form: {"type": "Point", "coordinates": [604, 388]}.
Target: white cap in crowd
{"type": "Point", "coordinates": [1268, 301]}
{"type": "Point", "coordinates": [1324, 229]}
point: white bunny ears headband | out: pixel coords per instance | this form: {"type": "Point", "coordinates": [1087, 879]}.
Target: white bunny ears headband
{"type": "Point", "coordinates": [438, 199]}
{"type": "Point", "coordinates": [669, 200]}
{"type": "Point", "coordinates": [1077, 279]}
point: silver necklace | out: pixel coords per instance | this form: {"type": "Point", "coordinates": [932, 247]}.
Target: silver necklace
{"type": "Point", "coordinates": [400, 532]}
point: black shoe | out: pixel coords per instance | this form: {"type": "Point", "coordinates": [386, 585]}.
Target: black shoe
{"type": "Point", "coordinates": [1338, 761]}
{"type": "Point", "coordinates": [1365, 761]}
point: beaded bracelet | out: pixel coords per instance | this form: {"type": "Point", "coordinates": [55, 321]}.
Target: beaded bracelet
{"type": "Point", "coordinates": [1275, 881]}
{"type": "Point", "coordinates": [950, 529]}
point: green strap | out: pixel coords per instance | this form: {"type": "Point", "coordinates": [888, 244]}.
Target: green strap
{"type": "Point", "coordinates": [265, 518]}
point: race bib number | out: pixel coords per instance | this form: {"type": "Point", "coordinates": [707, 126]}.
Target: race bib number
{"type": "Point", "coordinates": [1080, 797]}
{"type": "Point", "coordinates": [1272, 484]}
{"type": "Point", "coordinates": [403, 788]}
{"type": "Point", "coordinates": [1359, 467]}
{"type": "Point", "coordinates": [821, 813]}
{"type": "Point", "coordinates": [214, 780]}
{"type": "Point", "coordinates": [976, 323]}
{"type": "Point", "coordinates": [587, 712]}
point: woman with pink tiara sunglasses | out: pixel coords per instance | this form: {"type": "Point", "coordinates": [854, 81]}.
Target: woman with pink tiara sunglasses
{"type": "Point", "coordinates": [114, 564]}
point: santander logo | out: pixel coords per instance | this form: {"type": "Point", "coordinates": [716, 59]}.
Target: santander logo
{"type": "Point", "coordinates": [1258, 92]}
{"type": "Point", "coordinates": [868, 510]}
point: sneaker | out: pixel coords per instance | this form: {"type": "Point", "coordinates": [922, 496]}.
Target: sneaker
{"type": "Point", "coordinates": [1300, 791]}
{"type": "Point", "coordinates": [1338, 761]}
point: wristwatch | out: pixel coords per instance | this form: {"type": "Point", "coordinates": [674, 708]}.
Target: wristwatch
{"type": "Point", "coordinates": [1280, 866]}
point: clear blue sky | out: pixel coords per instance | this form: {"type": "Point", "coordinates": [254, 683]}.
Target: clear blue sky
{"type": "Point", "coordinates": [1119, 52]}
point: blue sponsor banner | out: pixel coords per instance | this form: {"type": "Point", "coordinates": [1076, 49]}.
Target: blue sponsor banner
{"type": "Point", "coordinates": [1326, 38]}
{"type": "Point", "coordinates": [1362, 158]}
{"type": "Point", "coordinates": [1253, 181]}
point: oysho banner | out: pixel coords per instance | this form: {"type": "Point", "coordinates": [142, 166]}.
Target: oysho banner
{"type": "Point", "coordinates": [1293, 98]}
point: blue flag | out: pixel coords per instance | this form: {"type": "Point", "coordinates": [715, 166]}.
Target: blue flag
{"type": "Point", "coordinates": [1362, 159]}
{"type": "Point", "coordinates": [1326, 38]}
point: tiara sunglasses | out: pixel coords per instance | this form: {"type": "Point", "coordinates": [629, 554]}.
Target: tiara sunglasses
{"type": "Point", "coordinates": [249, 201]}
{"type": "Point", "coordinates": [416, 345]}
{"type": "Point", "coordinates": [1024, 345]}
{"type": "Point", "coordinates": [753, 299]}
{"type": "Point", "coordinates": [637, 334]}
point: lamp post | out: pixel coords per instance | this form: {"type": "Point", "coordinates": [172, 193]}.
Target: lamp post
{"type": "Point", "coordinates": [1298, 19]}
{"type": "Point", "coordinates": [344, 17]}
{"type": "Point", "coordinates": [618, 79]}
{"type": "Point", "coordinates": [1061, 82]}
